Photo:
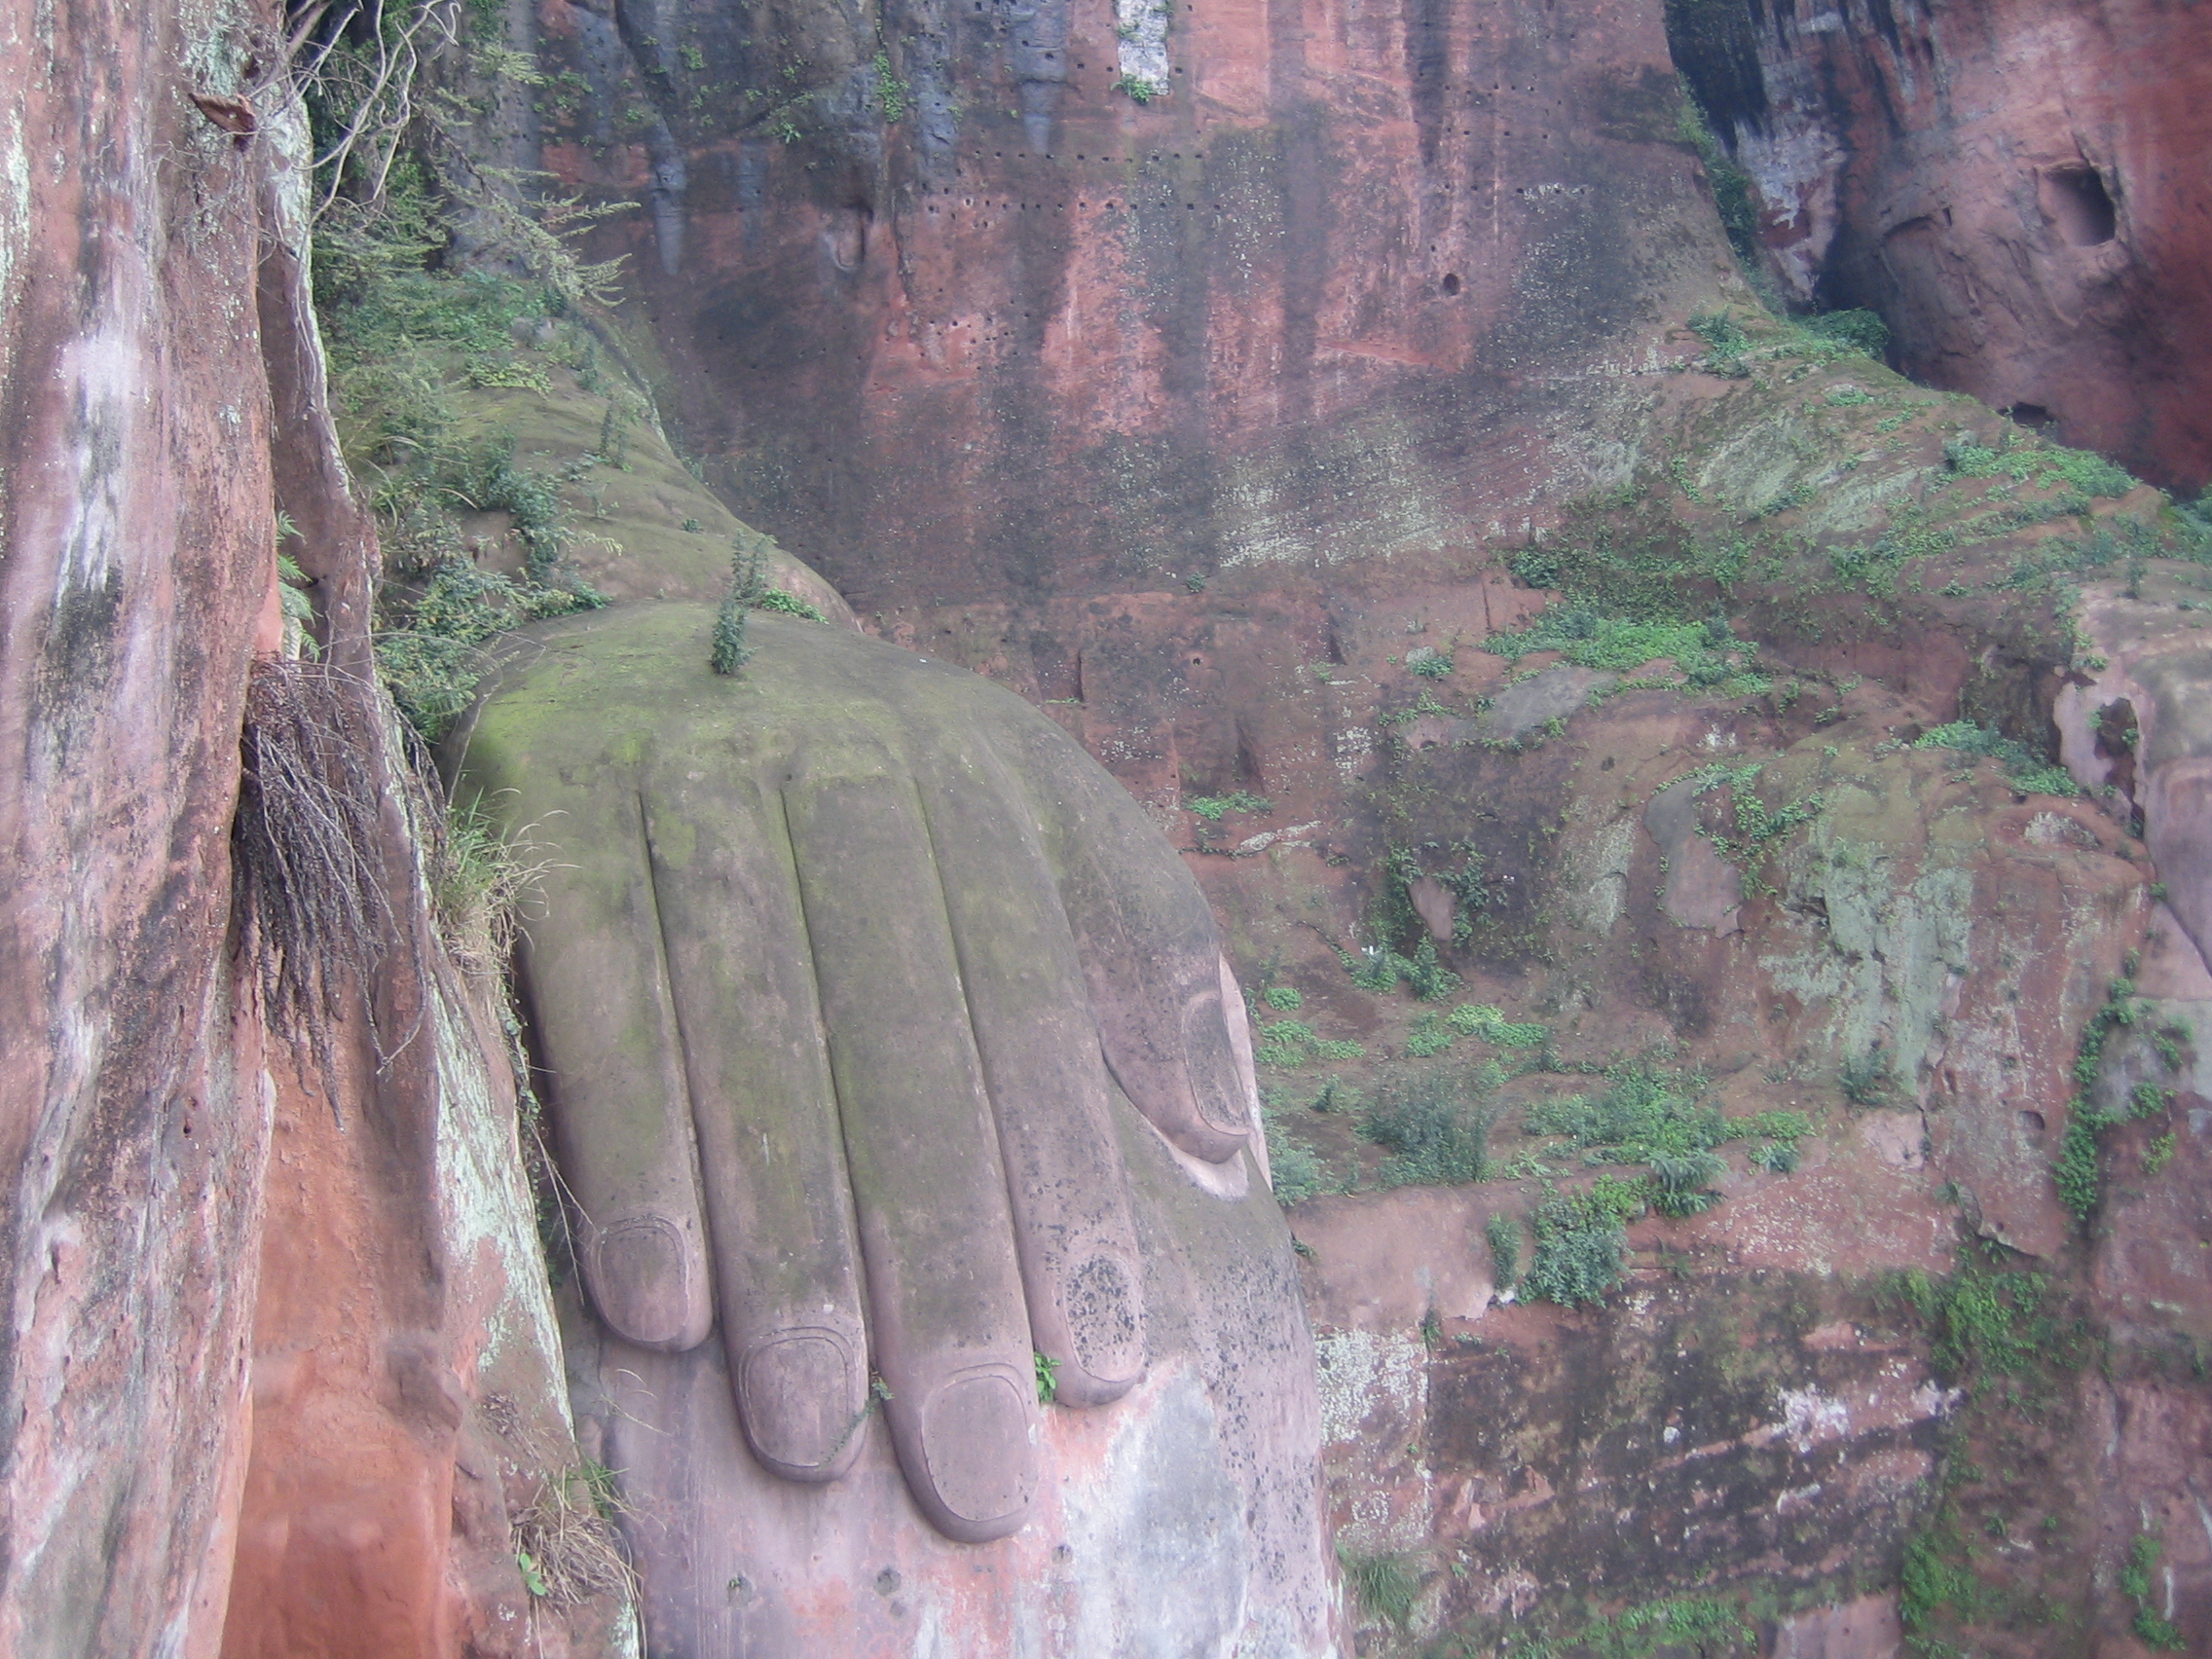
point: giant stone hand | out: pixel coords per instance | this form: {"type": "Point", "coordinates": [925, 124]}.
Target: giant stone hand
{"type": "Point", "coordinates": [843, 970]}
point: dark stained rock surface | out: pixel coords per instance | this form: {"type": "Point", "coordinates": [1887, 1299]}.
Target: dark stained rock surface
{"type": "Point", "coordinates": [2015, 185]}
{"type": "Point", "coordinates": [1360, 282]}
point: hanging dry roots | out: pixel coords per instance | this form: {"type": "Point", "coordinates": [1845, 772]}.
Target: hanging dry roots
{"type": "Point", "coordinates": [307, 845]}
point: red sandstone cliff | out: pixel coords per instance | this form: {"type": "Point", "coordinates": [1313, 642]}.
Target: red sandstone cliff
{"type": "Point", "coordinates": [2017, 186]}
{"type": "Point", "coordinates": [163, 399]}
{"type": "Point", "coordinates": [967, 323]}
{"type": "Point", "coordinates": [1288, 315]}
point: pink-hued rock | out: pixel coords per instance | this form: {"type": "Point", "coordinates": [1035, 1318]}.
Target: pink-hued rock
{"type": "Point", "coordinates": [2016, 185]}
{"type": "Point", "coordinates": [408, 1402]}
{"type": "Point", "coordinates": [2139, 726]}
{"type": "Point", "coordinates": [1363, 280]}
{"type": "Point", "coordinates": [1866, 1628]}
{"type": "Point", "coordinates": [1514, 1454]}
{"type": "Point", "coordinates": [163, 396]}
{"type": "Point", "coordinates": [136, 498]}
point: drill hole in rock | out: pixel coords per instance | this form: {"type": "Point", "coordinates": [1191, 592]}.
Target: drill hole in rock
{"type": "Point", "coordinates": [2074, 200]}
{"type": "Point", "coordinates": [1451, 284]}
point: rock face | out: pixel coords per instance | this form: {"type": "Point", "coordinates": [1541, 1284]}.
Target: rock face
{"type": "Point", "coordinates": [137, 560]}
{"type": "Point", "coordinates": [957, 317]}
{"type": "Point", "coordinates": [1932, 937]}
{"type": "Point", "coordinates": [1187, 372]}
{"type": "Point", "coordinates": [163, 396]}
{"type": "Point", "coordinates": [2013, 184]}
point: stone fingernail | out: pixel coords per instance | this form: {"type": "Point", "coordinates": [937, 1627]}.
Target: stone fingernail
{"type": "Point", "coordinates": [803, 1396]}
{"type": "Point", "coordinates": [975, 1443]}
{"type": "Point", "coordinates": [1213, 1067]}
{"type": "Point", "coordinates": [643, 1281]}
{"type": "Point", "coordinates": [1105, 1321]}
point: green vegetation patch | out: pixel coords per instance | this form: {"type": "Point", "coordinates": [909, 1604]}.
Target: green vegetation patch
{"type": "Point", "coordinates": [1582, 1242]}
{"type": "Point", "coordinates": [2151, 1628]}
{"type": "Point", "coordinates": [1664, 1120]}
{"type": "Point", "coordinates": [1989, 1323]}
{"type": "Point", "coordinates": [1760, 829]}
{"type": "Point", "coordinates": [1213, 808]}
{"type": "Point", "coordinates": [1383, 970]}
{"type": "Point", "coordinates": [1707, 653]}
{"type": "Point", "coordinates": [1480, 1020]}
{"type": "Point", "coordinates": [1436, 1126]}
{"type": "Point", "coordinates": [430, 653]}
{"type": "Point", "coordinates": [2045, 466]}
{"type": "Point", "coordinates": [2008, 1338]}
{"type": "Point", "coordinates": [1650, 1112]}
{"type": "Point", "coordinates": [1703, 1625]}
{"type": "Point", "coordinates": [1646, 1112]}
{"type": "Point", "coordinates": [1290, 1043]}
{"type": "Point", "coordinates": [2078, 1171]}
{"type": "Point", "coordinates": [1295, 1173]}
{"type": "Point", "coordinates": [1386, 1585]}
{"type": "Point", "coordinates": [2030, 773]}
{"type": "Point", "coordinates": [1503, 1236]}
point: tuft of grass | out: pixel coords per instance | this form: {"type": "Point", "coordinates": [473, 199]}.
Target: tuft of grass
{"type": "Point", "coordinates": [1777, 1158]}
{"type": "Point", "coordinates": [1707, 653]}
{"type": "Point", "coordinates": [565, 1541]}
{"type": "Point", "coordinates": [2151, 1629]}
{"type": "Point", "coordinates": [1213, 808]}
{"type": "Point", "coordinates": [1503, 1236]}
{"type": "Point", "coordinates": [1490, 1024]}
{"type": "Point", "coordinates": [1285, 999]}
{"type": "Point", "coordinates": [1386, 1585]}
{"type": "Point", "coordinates": [480, 877]}
{"type": "Point", "coordinates": [1680, 1183]}
{"type": "Point", "coordinates": [2029, 773]}
{"type": "Point", "coordinates": [1436, 1126]}
{"type": "Point", "coordinates": [1864, 1078]}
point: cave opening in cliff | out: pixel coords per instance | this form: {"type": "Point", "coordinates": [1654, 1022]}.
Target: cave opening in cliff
{"type": "Point", "coordinates": [2074, 200]}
